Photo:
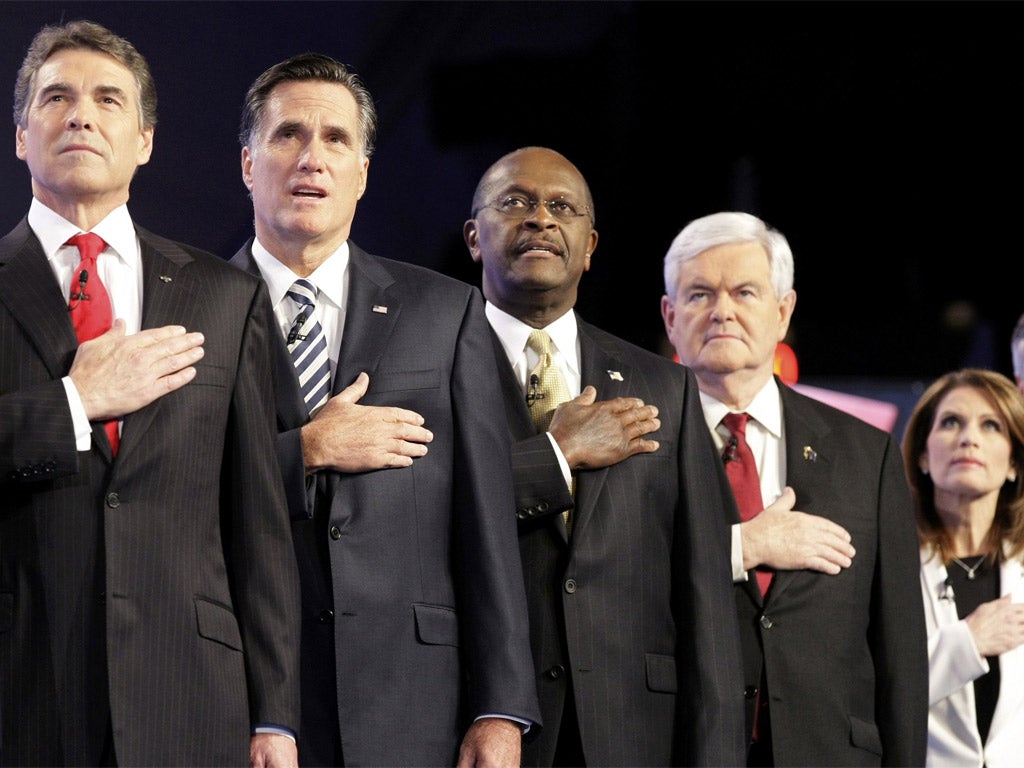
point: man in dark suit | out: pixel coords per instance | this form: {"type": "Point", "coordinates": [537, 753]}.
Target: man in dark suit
{"type": "Point", "coordinates": [830, 610]}
{"type": "Point", "coordinates": [414, 618]}
{"type": "Point", "coordinates": [633, 636]}
{"type": "Point", "coordinates": [147, 588]}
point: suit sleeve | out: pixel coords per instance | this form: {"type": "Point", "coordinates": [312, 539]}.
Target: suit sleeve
{"type": "Point", "coordinates": [540, 488]}
{"type": "Point", "coordinates": [264, 574]}
{"type": "Point", "coordinates": [494, 620]}
{"type": "Point", "coordinates": [37, 439]}
{"type": "Point", "coordinates": [711, 726]}
{"type": "Point", "coordinates": [898, 634]}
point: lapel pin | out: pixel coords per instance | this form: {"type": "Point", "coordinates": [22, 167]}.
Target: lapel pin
{"type": "Point", "coordinates": [380, 309]}
{"type": "Point", "coordinates": [165, 278]}
{"type": "Point", "coordinates": [614, 375]}
{"type": "Point", "coordinates": [810, 454]}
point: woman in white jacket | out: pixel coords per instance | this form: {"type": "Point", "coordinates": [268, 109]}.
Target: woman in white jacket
{"type": "Point", "coordinates": [964, 454]}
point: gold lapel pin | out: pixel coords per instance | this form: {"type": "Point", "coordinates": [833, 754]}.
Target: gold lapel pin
{"type": "Point", "coordinates": [614, 375]}
{"type": "Point", "coordinates": [810, 454]}
{"type": "Point", "coordinates": [165, 278]}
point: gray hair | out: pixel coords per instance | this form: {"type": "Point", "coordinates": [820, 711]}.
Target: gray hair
{"type": "Point", "coordinates": [724, 228]}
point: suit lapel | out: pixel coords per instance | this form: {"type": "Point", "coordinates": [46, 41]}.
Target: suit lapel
{"type": "Point", "coordinates": [291, 408]}
{"type": "Point", "coordinates": [520, 424]}
{"type": "Point", "coordinates": [809, 465]}
{"type": "Point", "coordinates": [370, 317]}
{"type": "Point", "coordinates": [31, 294]}
{"type": "Point", "coordinates": [611, 377]}
{"type": "Point", "coordinates": [168, 295]}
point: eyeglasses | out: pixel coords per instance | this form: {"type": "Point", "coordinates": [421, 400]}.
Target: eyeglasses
{"type": "Point", "coordinates": [520, 207]}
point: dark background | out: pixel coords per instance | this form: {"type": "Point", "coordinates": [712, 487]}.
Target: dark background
{"type": "Point", "coordinates": [882, 138]}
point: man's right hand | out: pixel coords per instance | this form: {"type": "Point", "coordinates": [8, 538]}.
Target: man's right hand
{"type": "Point", "coordinates": [348, 437]}
{"type": "Point", "coordinates": [782, 538]}
{"type": "Point", "coordinates": [592, 435]}
{"type": "Point", "coordinates": [116, 374]}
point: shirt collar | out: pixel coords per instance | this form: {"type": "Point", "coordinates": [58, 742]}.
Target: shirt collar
{"type": "Point", "coordinates": [116, 229]}
{"type": "Point", "coordinates": [513, 334]}
{"type": "Point", "coordinates": [765, 408]}
{"type": "Point", "coordinates": [329, 277]}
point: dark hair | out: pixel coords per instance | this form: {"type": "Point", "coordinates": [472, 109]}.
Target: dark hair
{"type": "Point", "coordinates": [308, 66]}
{"type": "Point", "coordinates": [1008, 525]}
{"type": "Point", "coordinates": [83, 35]}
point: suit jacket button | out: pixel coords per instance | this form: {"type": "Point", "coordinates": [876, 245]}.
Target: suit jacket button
{"type": "Point", "coordinates": [113, 500]}
{"type": "Point", "coordinates": [335, 532]}
{"type": "Point", "coordinates": [542, 507]}
{"type": "Point", "coordinates": [326, 616]}
{"type": "Point", "coordinates": [766, 623]}
{"type": "Point", "coordinates": [571, 586]}
{"type": "Point", "coordinates": [750, 692]}
{"type": "Point", "coordinates": [556, 672]}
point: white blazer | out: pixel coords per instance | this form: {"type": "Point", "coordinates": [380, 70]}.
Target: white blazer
{"type": "Point", "coordinates": [954, 663]}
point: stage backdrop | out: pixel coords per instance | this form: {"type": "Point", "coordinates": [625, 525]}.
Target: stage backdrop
{"type": "Point", "coordinates": [881, 138]}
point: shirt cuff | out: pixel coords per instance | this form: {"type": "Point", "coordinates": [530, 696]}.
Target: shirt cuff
{"type": "Point", "coordinates": [738, 574]}
{"type": "Point", "coordinates": [523, 724]}
{"type": "Point", "coordinates": [80, 422]}
{"type": "Point", "coordinates": [280, 730]}
{"type": "Point", "coordinates": [562, 463]}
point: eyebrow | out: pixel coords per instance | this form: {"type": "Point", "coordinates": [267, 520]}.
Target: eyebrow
{"type": "Point", "coordinates": [103, 90]}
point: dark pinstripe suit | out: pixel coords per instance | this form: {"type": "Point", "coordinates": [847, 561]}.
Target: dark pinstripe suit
{"type": "Point", "coordinates": [162, 583]}
{"type": "Point", "coordinates": [637, 610]}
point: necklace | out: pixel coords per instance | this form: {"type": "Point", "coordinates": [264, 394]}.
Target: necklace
{"type": "Point", "coordinates": [970, 571]}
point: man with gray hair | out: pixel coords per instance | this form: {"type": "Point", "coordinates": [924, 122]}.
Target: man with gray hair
{"type": "Point", "coordinates": [831, 617]}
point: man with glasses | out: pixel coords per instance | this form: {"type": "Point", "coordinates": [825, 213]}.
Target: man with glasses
{"type": "Point", "coordinates": [414, 637]}
{"type": "Point", "coordinates": [619, 501]}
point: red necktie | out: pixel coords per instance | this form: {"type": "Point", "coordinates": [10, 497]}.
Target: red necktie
{"type": "Point", "coordinates": [742, 472]}
{"type": "Point", "coordinates": [90, 305]}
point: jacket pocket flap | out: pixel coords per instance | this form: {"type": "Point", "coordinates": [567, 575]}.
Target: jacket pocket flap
{"type": "Point", "coordinates": [216, 622]}
{"type": "Point", "coordinates": [436, 625]}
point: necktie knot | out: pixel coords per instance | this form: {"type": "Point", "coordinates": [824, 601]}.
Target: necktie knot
{"type": "Point", "coordinates": [736, 423]}
{"type": "Point", "coordinates": [303, 293]}
{"type": "Point", "coordinates": [89, 245]}
{"type": "Point", "coordinates": [540, 342]}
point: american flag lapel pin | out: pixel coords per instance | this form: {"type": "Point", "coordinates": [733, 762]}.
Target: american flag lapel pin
{"type": "Point", "coordinates": [380, 309]}
{"type": "Point", "coordinates": [614, 375]}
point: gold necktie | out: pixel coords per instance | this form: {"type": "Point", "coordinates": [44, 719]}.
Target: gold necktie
{"type": "Point", "coordinates": [545, 391]}
{"type": "Point", "coordinates": [546, 388]}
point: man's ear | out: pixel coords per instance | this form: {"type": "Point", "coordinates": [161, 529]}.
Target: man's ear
{"type": "Point", "coordinates": [472, 238]}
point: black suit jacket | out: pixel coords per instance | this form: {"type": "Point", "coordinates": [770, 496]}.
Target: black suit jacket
{"type": "Point", "coordinates": [412, 589]}
{"type": "Point", "coordinates": [161, 583]}
{"type": "Point", "coordinates": [845, 656]}
{"type": "Point", "coordinates": [636, 610]}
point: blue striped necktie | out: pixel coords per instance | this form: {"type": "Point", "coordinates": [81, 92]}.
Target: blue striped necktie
{"type": "Point", "coordinates": [309, 350]}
